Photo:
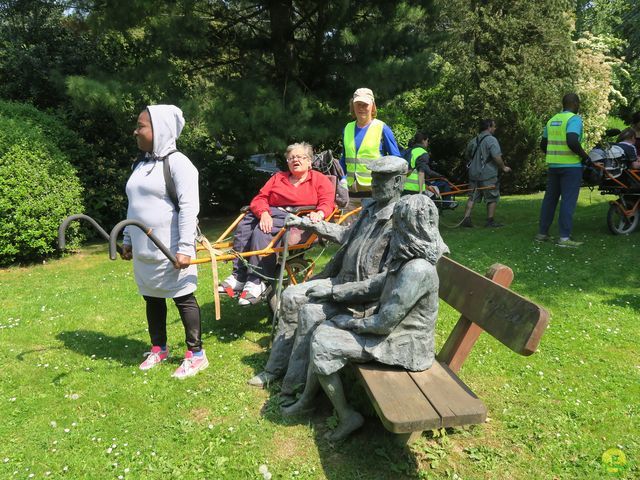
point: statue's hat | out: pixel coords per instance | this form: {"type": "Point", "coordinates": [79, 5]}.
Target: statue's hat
{"type": "Point", "coordinates": [389, 165]}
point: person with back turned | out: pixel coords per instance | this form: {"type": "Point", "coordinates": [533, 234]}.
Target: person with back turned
{"type": "Point", "coordinates": [485, 161]}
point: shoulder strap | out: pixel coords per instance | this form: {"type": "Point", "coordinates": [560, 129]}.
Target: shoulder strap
{"type": "Point", "coordinates": [168, 180]}
{"type": "Point", "coordinates": [475, 150]}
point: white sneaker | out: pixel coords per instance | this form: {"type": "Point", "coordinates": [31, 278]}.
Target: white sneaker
{"type": "Point", "coordinates": [154, 357]}
{"type": "Point", "coordinates": [252, 293]}
{"type": "Point", "coordinates": [230, 286]}
{"type": "Point", "coordinates": [191, 365]}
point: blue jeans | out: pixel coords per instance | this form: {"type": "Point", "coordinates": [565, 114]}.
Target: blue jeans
{"type": "Point", "coordinates": [562, 184]}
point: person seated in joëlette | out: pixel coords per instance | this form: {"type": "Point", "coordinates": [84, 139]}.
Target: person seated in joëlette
{"type": "Point", "coordinates": [300, 186]}
{"type": "Point", "coordinates": [627, 141]}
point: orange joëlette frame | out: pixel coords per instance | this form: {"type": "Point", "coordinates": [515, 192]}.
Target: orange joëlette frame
{"type": "Point", "coordinates": [225, 246]}
{"type": "Point", "coordinates": [455, 189]}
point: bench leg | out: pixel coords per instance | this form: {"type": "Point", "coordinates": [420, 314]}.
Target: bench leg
{"type": "Point", "coordinates": [407, 438]}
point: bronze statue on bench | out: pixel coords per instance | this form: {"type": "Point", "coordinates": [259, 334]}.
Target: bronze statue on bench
{"type": "Point", "coordinates": [337, 289]}
{"type": "Point", "coordinates": [400, 332]}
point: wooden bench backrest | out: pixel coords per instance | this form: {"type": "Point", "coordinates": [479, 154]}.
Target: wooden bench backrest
{"type": "Point", "coordinates": [510, 318]}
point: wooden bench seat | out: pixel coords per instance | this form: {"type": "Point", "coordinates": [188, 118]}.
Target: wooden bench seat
{"type": "Point", "coordinates": [410, 402]}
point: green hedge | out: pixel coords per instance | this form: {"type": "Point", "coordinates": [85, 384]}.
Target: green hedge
{"type": "Point", "coordinates": [38, 185]}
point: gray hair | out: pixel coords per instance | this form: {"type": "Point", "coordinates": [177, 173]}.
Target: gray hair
{"type": "Point", "coordinates": [308, 149]}
{"type": "Point", "coordinates": [415, 230]}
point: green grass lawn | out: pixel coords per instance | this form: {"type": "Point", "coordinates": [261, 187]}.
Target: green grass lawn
{"type": "Point", "coordinates": [73, 403]}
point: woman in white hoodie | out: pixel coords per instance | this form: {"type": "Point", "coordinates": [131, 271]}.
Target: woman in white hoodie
{"type": "Point", "coordinates": [157, 129]}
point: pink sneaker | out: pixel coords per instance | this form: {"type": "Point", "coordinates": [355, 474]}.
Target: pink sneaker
{"type": "Point", "coordinates": [154, 357]}
{"type": "Point", "coordinates": [191, 365]}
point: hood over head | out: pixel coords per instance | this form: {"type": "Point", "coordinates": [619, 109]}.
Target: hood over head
{"type": "Point", "coordinates": [167, 123]}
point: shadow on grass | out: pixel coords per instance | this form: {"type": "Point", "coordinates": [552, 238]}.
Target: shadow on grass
{"type": "Point", "coordinates": [386, 459]}
{"type": "Point", "coordinates": [631, 301]}
{"type": "Point", "coordinates": [235, 320]}
{"type": "Point", "coordinates": [257, 361]}
{"type": "Point", "coordinates": [123, 349]}
{"type": "Point", "coordinates": [345, 460]}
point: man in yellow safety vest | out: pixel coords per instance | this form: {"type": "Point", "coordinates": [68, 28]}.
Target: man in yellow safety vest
{"type": "Point", "coordinates": [564, 157]}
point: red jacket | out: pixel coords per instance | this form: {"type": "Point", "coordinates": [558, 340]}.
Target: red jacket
{"type": "Point", "coordinates": [316, 190]}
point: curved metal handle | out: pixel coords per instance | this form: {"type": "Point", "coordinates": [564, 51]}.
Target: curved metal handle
{"type": "Point", "coordinates": [65, 224]}
{"type": "Point", "coordinates": [116, 230]}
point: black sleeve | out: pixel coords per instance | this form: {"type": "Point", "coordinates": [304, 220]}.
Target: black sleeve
{"type": "Point", "coordinates": [543, 144]}
{"type": "Point", "coordinates": [422, 165]}
{"type": "Point", "coordinates": [573, 142]}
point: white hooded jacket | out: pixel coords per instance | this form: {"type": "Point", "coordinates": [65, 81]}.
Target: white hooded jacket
{"type": "Point", "coordinates": [150, 204]}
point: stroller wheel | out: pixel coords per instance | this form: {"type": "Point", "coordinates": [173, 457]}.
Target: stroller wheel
{"type": "Point", "coordinates": [618, 222]}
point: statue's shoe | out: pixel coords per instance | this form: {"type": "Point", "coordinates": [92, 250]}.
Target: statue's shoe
{"type": "Point", "coordinates": [262, 379]}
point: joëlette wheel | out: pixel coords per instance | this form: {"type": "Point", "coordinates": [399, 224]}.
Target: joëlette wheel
{"type": "Point", "coordinates": [619, 223]}
{"type": "Point", "coordinates": [296, 272]}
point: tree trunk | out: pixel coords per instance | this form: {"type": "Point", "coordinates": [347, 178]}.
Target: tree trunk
{"type": "Point", "coordinates": [282, 40]}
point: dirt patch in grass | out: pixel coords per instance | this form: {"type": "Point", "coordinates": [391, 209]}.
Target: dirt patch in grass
{"type": "Point", "coordinates": [252, 347]}
{"type": "Point", "coordinates": [288, 445]}
{"type": "Point", "coordinates": [202, 415]}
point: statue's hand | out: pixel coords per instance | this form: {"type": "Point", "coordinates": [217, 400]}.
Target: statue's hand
{"type": "Point", "coordinates": [320, 292]}
{"type": "Point", "coordinates": [346, 322]}
{"type": "Point", "coordinates": [292, 221]}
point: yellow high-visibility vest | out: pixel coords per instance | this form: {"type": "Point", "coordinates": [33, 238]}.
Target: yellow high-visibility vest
{"type": "Point", "coordinates": [358, 175]}
{"type": "Point", "coordinates": [558, 152]}
{"type": "Point", "coordinates": [411, 184]}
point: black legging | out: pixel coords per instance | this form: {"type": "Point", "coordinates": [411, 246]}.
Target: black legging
{"type": "Point", "coordinates": [189, 314]}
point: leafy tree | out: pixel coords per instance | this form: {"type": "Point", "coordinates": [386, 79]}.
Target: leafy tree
{"type": "Point", "coordinates": [46, 51]}
{"type": "Point", "coordinates": [614, 24]}
{"type": "Point", "coordinates": [257, 74]}
{"type": "Point", "coordinates": [630, 27]}
{"type": "Point", "coordinates": [594, 84]}
{"type": "Point", "coordinates": [40, 46]}
{"type": "Point", "coordinates": [511, 61]}
{"type": "Point", "coordinates": [307, 60]}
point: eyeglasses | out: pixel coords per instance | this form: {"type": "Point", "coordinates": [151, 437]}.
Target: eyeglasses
{"type": "Point", "coordinates": [297, 157]}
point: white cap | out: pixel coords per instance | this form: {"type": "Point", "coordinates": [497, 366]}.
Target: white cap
{"type": "Point", "coordinates": [364, 95]}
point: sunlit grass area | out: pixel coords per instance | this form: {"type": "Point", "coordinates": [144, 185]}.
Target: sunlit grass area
{"type": "Point", "coordinates": [74, 404]}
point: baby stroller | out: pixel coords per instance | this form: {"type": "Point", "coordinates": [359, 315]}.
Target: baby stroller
{"type": "Point", "coordinates": [610, 172]}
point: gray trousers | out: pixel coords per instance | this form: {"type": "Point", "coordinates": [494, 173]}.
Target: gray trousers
{"type": "Point", "coordinates": [249, 238]}
{"type": "Point", "coordinates": [297, 320]}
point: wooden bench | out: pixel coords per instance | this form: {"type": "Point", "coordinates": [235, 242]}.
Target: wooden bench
{"type": "Point", "coordinates": [410, 402]}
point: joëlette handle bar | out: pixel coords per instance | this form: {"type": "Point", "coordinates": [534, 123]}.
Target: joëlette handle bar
{"type": "Point", "coordinates": [148, 231]}
{"type": "Point", "coordinates": [65, 224]}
